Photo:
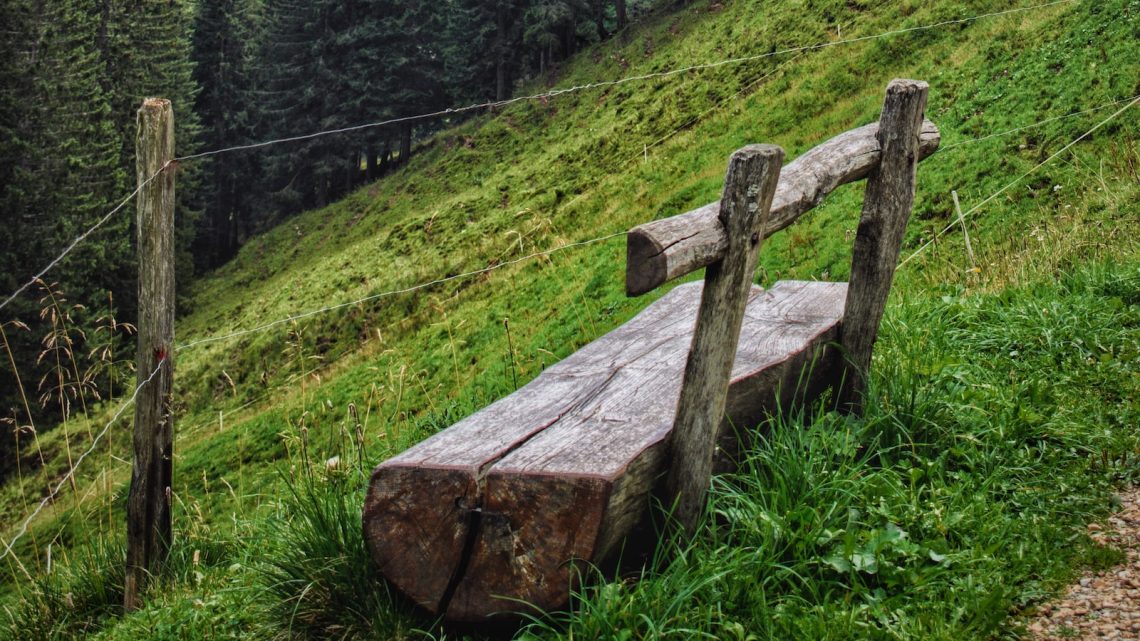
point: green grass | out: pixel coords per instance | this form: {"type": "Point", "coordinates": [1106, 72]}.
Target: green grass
{"type": "Point", "coordinates": [960, 498]}
{"type": "Point", "coordinates": [1005, 398]}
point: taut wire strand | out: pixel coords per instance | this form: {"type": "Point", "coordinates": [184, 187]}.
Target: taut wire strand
{"type": "Point", "coordinates": [71, 472]}
{"type": "Point", "coordinates": [1017, 180]}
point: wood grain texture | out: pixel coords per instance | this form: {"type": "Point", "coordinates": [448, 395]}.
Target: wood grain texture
{"type": "Point", "coordinates": [886, 209]}
{"type": "Point", "coordinates": [499, 505]}
{"type": "Point", "coordinates": [749, 186]}
{"type": "Point", "coordinates": [666, 249]}
{"type": "Point", "coordinates": [148, 504]}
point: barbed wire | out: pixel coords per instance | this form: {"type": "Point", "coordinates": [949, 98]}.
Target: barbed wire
{"type": "Point", "coordinates": [1017, 180]}
{"type": "Point", "coordinates": [71, 472]}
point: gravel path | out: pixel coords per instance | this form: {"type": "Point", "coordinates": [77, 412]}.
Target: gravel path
{"type": "Point", "coordinates": [1105, 604]}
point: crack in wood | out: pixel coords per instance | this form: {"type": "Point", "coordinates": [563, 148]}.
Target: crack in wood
{"type": "Point", "coordinates": [474, 520]}
{"type": "Point", "coordinates": [675, 242]}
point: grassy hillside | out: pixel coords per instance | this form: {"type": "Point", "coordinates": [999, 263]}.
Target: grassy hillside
{"type": "Point", "coordinates": [1006, 396]}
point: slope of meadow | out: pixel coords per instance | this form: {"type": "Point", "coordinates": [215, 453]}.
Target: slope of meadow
{"type": "Point", "coordinates": [1006, 395]}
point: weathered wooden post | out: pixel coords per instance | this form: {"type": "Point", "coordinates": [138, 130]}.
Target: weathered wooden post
{"type": "Point", "coordinates": [886, 209]}
{"type": "Point", "coordinates": [148, 505]}
{"type": "Point", "coordinates": [749, 187]}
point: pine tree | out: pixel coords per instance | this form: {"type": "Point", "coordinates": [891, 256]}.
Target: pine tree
{"type": "Point", "coordinates": [330, 65]}
{"type": "Point", "coordinates": [146, 48]}
{"type": "Point", "coordinates": [297, 90]}
{"type": "Point", "coordinates": [226, 37]}
{"type": "Point", "coordinates": [60, 167]}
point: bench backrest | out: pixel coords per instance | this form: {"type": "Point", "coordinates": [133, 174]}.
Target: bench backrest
{"type": "Point", "coordinates": [760, 199]}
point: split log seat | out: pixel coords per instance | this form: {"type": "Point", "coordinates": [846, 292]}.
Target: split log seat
{"type": "Point", "coordinates": [489, 515]}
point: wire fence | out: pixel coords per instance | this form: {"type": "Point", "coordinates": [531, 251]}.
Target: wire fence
{"type": "Point", "coordinates": [546, 95]}
{"type": "Point", "coordinates": [423, 285]}
{"type": "Point", "coordinates": [80, 238]}
{"type": "Point", "coordinates": [1035, 125]}
{"type": "Point", "coordinates": [405, 290]}
{"type": "Point", "coordinates": [1017, 180]}
{"type": "Point", "coordinates": [22, 530]}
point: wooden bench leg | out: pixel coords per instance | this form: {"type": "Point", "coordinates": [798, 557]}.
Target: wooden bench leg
{"type": "Point", "coordinates": [748, 189]}
{"type": "Point", "coordinates": [886, 209]}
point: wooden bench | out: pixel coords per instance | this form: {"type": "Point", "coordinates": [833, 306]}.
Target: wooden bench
{"type": "Point", "coordinates": [490, 515]}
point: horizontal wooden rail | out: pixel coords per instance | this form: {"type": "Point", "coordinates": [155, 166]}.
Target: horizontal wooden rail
{"type": "Point", "coordinates": [663, 250]}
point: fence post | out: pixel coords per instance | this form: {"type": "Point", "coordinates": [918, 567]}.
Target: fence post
{"type": "Point", "coordinates": [886, 208]}
{"type": "Point", "coordinates": [965, 232]}
{"type": "Point", "coordinates": [148, 505]}
{"type": "Point", "coordinates": [749, 187]}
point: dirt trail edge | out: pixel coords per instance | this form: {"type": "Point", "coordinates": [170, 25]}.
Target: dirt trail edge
{"type": "Point", "coordinates": [1104, 604]}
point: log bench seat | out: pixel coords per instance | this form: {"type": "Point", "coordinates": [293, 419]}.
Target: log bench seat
{"type": "Point", "coordinates": [489, 514]}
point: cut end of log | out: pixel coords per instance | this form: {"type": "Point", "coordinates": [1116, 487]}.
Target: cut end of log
{"type": "Point", "coordinates": [906, 85]}
{"type": "Point", "coordinates": [417, 524]}
{"type": "Point", "coordinates": [760, 150]}
{"type": "Point", "coordinates": [645, 263]}
{"type": "Point", "coordinates": [524, 559]}
{"type": "Point", "coordinates": [155, 104]}
{"type": "Point", "coordinates": [929, 139]}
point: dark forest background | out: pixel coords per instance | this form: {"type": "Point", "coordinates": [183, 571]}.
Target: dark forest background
{"type": "Point", "coordinates": [73, 73]}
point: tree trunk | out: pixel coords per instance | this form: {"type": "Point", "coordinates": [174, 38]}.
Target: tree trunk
{"type": "Point", "coordinates": [385, 158]}
{"type": "Point", "coordinates": [406, 144]}
{"type": "Point", "coordinates": [599, 8]}
{"type": "Point", "coordinates": [352, 172]}
{"type": "Point", "coordinates": [622, 19]}
{"type": "Point", "coordinates": [373, 159]}
{"type": "Point", "coordinates": [321, 190]}
{"type": "Point", "coordinates": [501, 80]}
{"type": "Point", "coordinates": [502, 50]}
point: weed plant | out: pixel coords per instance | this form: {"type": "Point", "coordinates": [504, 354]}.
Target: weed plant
{"type": "Point", "coordinates": [318, 572]}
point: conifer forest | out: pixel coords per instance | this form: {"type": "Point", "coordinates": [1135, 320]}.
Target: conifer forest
{"type": "Point", "coordinates": [74, 72]}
